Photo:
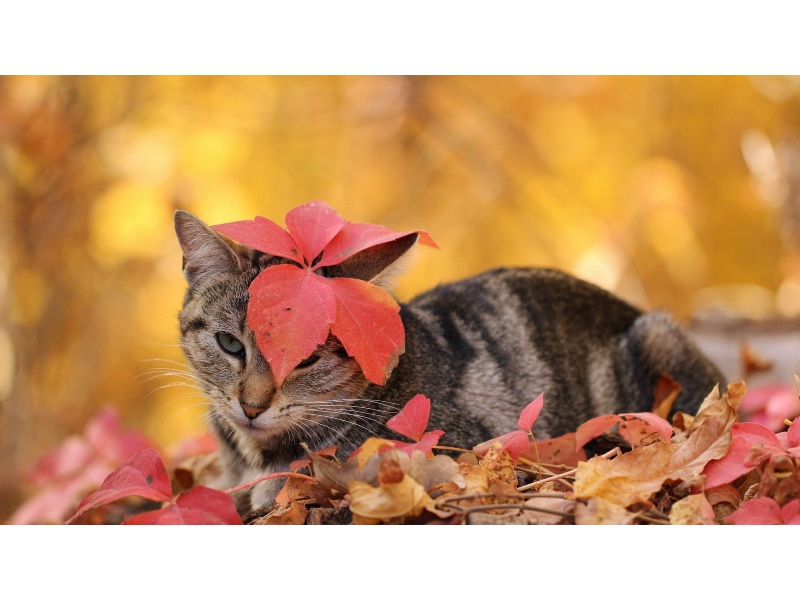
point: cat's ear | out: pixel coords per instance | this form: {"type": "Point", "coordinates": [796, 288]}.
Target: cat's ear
{"type": "Point", "coordinates": [205, 253]}
{"type": "Point", "coordinates": [378, 264]}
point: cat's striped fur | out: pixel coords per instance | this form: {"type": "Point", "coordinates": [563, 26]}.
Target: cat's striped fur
{"type": "Point", "coordinates": [481, 349]}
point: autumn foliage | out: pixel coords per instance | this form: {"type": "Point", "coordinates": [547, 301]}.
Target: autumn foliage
{"type": "Point", "coordinates": [706, 469]}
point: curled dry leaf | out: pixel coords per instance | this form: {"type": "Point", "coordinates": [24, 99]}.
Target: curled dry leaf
{"type": "Point", "coordinates": [291, 514]}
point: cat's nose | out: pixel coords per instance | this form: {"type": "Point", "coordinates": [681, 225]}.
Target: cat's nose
{"type": "Point", "coordinates": [251, 411]}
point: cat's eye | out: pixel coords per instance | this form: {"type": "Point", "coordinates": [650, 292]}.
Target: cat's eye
{"type": "Point", "coordinates": [230, 344]}
{"type": "Point", "coordinates": [308, 361]}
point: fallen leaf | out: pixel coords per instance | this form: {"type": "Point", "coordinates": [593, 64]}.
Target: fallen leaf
{"type": "Point", "coordinates": [530, 413]}
{"type": "Point", "coordinates": [664, 395]}
{"type": "Point", "coordinates": [388, 501]}
{"type": "Point", "coordinates": [692, 510]}
{"type": "Point", "coordinates": [198, 506]}
{"type": "Point", "coordinates": [142, 475]}
{"type": "Point", "coordinates": [598, 511]}
{"type": "Point", "coordinates": [765, 511]}
{"type": "Point", "coordinates": [291, 514]}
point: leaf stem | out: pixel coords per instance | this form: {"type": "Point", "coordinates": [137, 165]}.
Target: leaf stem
{"type": "Point", "coordinates": [244, 486]}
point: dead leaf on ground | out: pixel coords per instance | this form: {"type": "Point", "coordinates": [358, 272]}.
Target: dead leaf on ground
{"type": "Point", "coordinates": [598, 511]}
{"type": "Point", "coordinates": [692, 510]}
{"type": "Point", "coordinates": [294, 513]}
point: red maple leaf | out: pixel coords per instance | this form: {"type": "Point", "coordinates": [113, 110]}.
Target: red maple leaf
{"type": "Point", "coordinates": [293, 308]}
{"type": "Point", "coordinates": [144, 475]}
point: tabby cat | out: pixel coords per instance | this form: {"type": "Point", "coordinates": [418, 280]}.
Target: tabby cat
{"type": "Point", "coordinates": [480, 348]}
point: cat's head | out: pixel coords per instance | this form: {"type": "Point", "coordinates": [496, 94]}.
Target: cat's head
{"type": "Point", "coordinates": [222, 350]}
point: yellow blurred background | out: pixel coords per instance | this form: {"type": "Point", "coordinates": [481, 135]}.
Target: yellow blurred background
{"type": "Point", "coordinates": [674, 192]}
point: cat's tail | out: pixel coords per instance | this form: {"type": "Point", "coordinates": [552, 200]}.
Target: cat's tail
{"type": "Point", "coordinates": [655, 345]}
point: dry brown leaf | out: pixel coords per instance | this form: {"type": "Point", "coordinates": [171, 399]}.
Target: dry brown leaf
{"type": "Point", "coordinates": [536, 517]}
{"type": "Point", "coordinates": [202, 469]}
{"type": "Point", "coordinates": [294, 513]}
{"type": "Point", "coordinates": [692, 510]}
{"type": "Point", "coordinates": [788, 489]}
{"type": "Point", "coordinates": [499, 465]}
{"type": "Point", "coordinates": [406, 498]}
{"type": "Point", "coordinates": [752, 362]}
{"type": "Point", "coordinates": [434, 473]}
{"type": "Point", "coordinates": [664, 395]}
{"type": "Point", "coordinates": [337, 476]}
{"type": "Point", "coordinates": [715, 404]}
{"type": "Point", "coordinates": [369, 448]}
{"type": "Point", "coordinates": [598, 511]}
{"type": "Point", "coordinates": [636, 475]}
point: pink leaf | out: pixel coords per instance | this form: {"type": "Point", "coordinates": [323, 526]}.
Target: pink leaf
{"type": "Point", "coordinates": [793, 434]}
{"type": "Point", "coordinates": [412, 420]}
{"type": "Point", "coordinates": [290, 312]}
{"type": "Point", "coordinates": [424, 445]}
{"type": "Point", "coordinates": [141, 475]}
{"type": "Point", "coordinates": [529, 414]}
{"type": "Point", "coordinates": [759, 511]}
{"type": "Point", "coordinates": [753, 433]}
{"type": "Point", "coordinates": [558, 450]}
{"type": "Point", "coordinates": [594, 428]}
{"type": "Point", "coordinates": [368, 325]}
{"type": "Point", "coordinates": [729, 467]}
{"type": "Point", "coordinates": [312, 226]}
{"type": "Point", "coordinates": [264, 235]}
{"type": "Point", "coordinates": [199, 506]}
{"type": "Point", "coordinates": [650, 424]}
{"type": "Point", "coordinates": [790, 513]}
{"type": "Point", "coordinates": [515, 443]}
{"type": "Point", "coordinates": [74, 454]}
{"type": "Point", "coordinates": [355, 237]}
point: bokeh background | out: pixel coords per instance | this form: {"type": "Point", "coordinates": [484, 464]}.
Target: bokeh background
{"type": "Point", "coordinates": [680, 193]}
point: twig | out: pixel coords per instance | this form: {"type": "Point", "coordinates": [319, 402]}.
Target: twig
{"type": "Point", "coordinates": [244, 486]}
{"type": "Point", "coordinates": [610, 454]}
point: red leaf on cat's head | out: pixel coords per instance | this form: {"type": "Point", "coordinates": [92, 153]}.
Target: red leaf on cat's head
{"type": "Point", "coordinates": [290, 312]}
{"type": "Point", "coordinates": [264, 235]}
{"type": "Point", "coordinates": [413, 419]}
{"type": "Point", "coordinates": [530, 413]}
{"type": "Point", "coordinates": [355, 237]}
{"type": "Point", "coordinates": [368, 325]}
{"type": "Point", "coordinates": [142, 475]}
{"type": "Point", "coordinates": [313, 226]}
{"type": "Point", "coordinates": [199, 506]}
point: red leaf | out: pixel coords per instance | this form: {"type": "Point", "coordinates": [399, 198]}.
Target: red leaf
{"type": "Point", "coordinates": [759, 511]}
{"type": "Point", "coordinates": [368, 325]}
{"type": "Point", "coordinates": [199, 506]}
{"type": "Point", "coordinates": [790, 513]}
{"type": "Point", "coordinates": [355, 237]}
{"type": "Point", "coordinates": [529, 414]}
{"type": "Point", "coordinates": [290, 312]}
{"type": "Point", "coordinates": [752, 433]}
{"type": "Point", "coordinates": [599, 425]}
{"type": "Point", "coordinates": [264, 235]}
{"type": "Point", "coordinates": [141, 475]}
{"type": "Point", "coordinates": [559, 450]}
{"type": "Point", "coordinates": [515, 443]}
{"type": "Point", "coordinates": [730, 466]}
{"type": "Point", "coordinates": [412, 420]}
{"type": "Point", "coordinates": [424, 445]}
{"type": "Point", "coordinates": [73, 455]}
{"type": "Point", "coordinates": [312, 226]}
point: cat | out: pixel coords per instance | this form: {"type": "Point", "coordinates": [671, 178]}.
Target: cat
{"type": "Point", "coordinates": [481, 349]}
